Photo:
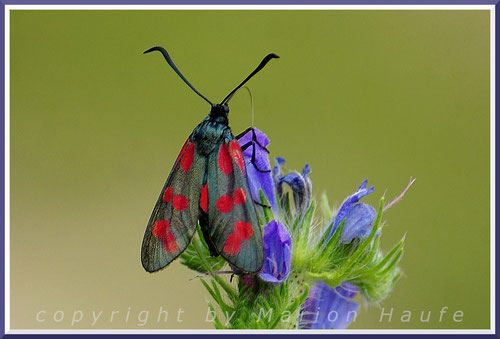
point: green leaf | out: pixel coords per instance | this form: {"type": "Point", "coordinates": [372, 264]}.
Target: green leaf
{"type": "Point", "coordinates": [268, 212]}
{"type": "Point", "coordinates": [325, 208]}
{"type": "Point", "coordinates": [197, 256]}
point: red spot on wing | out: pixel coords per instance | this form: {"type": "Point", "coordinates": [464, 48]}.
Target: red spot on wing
{"type": "Point", "coordinates": [239, 196]}
{"type": "Point", "coordinates": [204, 198]}
{"type": "Point", "coordinates": [224, 204]}
{"type": "Point", "coordinates": [168, 194]}
{"type": "Point", "coordinates": [225, 163]}
{"type": "Point", "coordinates": [169, 243]}
{"type": "Point", "coordinates": [237, 154]}
{"type": "Point", "coordinates": [242, 231]}
{"type": "Point", "coordinates": [187, 158]}
{"type": "Point", "coordinates": [160, 231]}
{"type": "Point", "coordinates": [181, 153]}
{"type": "Point", "coordinates": [160, 228]}
{"type": "Point", "coordinates": [232, 245]}
{"type": "Point", "coordinates": [180, 202]}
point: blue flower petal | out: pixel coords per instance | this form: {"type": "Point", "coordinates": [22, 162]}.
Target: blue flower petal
{"type": "Point", "coordinates": [277, 253]}
{"type": "Point", "coordinates": [328, 307]}
{"type": "Point", "coordinates": [358, 222]}
{"type": "Point", "coordinates": [351, 200]}
{"type": "Point", "coordinates": [278, 163]}
{"type": "Point", "coordinates": [359, 214]}
{"type": "Point", "coordinates": [269, 278]}
{"type": "Point", "coordinates": [301, 187]}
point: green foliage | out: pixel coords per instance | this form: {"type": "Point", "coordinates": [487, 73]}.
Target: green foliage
{"type": "Point", "coordinates": [249, 303]}
{"type": "Point", "coordinates": [260, 306]}
{"type": "Point", "coordinates": [197, 256]}
{"type": "Point", "coordinates": [361, 262]}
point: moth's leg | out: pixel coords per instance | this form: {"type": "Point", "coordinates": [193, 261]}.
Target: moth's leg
{"type": "Point", "coordinates": [255, 163]}
{"type": "Point", "coordinates": [254, 138]}
{"type": "Point", "coordinates": [243, 133]}
{"type": "Point", "coordinates": [245, 146]}
{"type": "Point", "coordinates": [252, 143]}
{"type": "Point", "coordinates": [263, 147]}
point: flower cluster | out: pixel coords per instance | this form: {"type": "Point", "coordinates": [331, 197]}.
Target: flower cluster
{"type": "Point", "coordinates": [314, 266]}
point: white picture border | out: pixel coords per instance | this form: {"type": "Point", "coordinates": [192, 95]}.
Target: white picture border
{"type": "Point", "coordinates": [9, 8]}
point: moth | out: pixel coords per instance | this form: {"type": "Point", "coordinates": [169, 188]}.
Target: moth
{"type": "Point", "coordinates": [207, 184]}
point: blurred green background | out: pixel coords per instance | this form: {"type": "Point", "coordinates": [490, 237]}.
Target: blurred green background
{"type": "Point", "coordinates": [384, 95]}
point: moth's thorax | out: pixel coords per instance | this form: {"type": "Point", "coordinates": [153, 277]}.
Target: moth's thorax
{"type": "Point", "coordinates": [208, 133]}
{"type": "Point", "coordinates": [219, 113]}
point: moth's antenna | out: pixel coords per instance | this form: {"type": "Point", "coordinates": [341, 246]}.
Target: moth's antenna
{"type": "Point", "coordinates": [261, 66]}
{"type": "Point", "coordinates": [251, 103]}
{"type": "Point", "coordinates": [176, 70]}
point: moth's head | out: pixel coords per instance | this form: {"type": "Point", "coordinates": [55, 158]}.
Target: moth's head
{"type": "Point", "coordinates": [219, 110]}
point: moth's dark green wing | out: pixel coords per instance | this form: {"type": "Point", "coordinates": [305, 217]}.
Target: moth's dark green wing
{"type": "Point", "coordinates": [232, 220]}
{"type": "Point", "coordinates": [175, 215]}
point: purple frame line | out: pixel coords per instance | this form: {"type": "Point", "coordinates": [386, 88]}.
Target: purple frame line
{"type": "Point", "coordinates": [250, 2]}
{"type": "Point", "coordinates": [2, 169]}
{"type": "Point", "coordinates": [206, 2]}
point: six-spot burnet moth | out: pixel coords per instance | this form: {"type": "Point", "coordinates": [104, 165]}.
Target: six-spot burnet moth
{"type": "Point", "coordinates": [208, 185]}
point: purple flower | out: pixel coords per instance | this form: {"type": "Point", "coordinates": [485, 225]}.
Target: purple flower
{"type": "Point", "coordinates": [358, 216]}
{"type": "Point", "coordinates": [329, 307]}
{"type": "Point", "coordinates": [277, 253]}
{"type": "Point", "coordinates": [277, 175]}
{"type": "Point", "coordinates": [299, 183]}
{"type": "Point", "coordinates": [259, 176]}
